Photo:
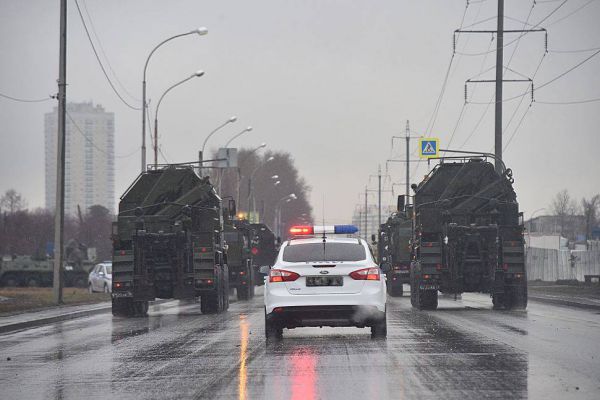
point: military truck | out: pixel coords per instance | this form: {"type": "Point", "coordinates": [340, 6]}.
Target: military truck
{"type": "Point", "coordinates": [239, 236]}
{"type": "Point", "coordinates": [468, 235]}
{"type": "Point", "coordinates": [168, 242]}
{"type": "Point", "coordinates": [393, 248]}
{"type": "Point", "coordinates": [264, 250]}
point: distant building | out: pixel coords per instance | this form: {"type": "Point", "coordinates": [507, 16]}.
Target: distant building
{"type": "Point", "coordinates": [89, 157]}
{"type": "Point", "coordinates": [571, 226]}
{"type": "Point", "coordinates": [358, 219]}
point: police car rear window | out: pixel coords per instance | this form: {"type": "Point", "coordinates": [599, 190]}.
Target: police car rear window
{"type": "Point", "coordinates": [313, 252]}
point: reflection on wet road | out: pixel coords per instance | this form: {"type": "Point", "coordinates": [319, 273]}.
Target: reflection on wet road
{"type": "Point", "coordinates": [462, 351]}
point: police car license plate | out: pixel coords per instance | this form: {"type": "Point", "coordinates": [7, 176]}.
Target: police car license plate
{"type": "Point", "coordinates": [324, 281]}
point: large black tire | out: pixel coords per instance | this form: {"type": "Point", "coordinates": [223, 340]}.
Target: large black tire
{"type": "Point", "coordinates": [379, 329]}
{"type": "Point", "coordinates": [129, 308]}
{"type": "Point", "coordinates": [273, 331]}
{"type": "Point", "coordinates": [396, 290]}
{"type": "Point", "coordinates": [513, 298]}
{"type": "Point", "coordinates": [243, 292]}
{"type": "Point", "coordinates": [33, 281]}
{"type": "Point", "coordinates": [209, 303]}
{"type": "Point", "coordinates": [426, 299]}
{"type": "Point", "coordinates": [10, 280]}
{"type": "Point", "coordinates": [520, 297]}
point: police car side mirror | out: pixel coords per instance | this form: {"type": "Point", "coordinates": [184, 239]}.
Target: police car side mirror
{"type": "Point", "coordinates": [264, 269]}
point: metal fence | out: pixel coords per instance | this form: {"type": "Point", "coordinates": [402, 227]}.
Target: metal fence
{"type": "Point", "coordinates": [552, 265]}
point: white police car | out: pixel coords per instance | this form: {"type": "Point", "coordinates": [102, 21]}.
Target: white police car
{"type": "Point", "coordinates": [319, 279]}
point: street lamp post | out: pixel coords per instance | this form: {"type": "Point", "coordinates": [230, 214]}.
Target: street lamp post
{"type": "Point", "coordinates": [248, 129]}
{"type": "Point", "coordinates": [277, 221]}
{"type": "Point", "coordinates": [229, 121]}
{"type": "Point", "coordinates": [250, 181]}
{"type": "Point", "coordinates": [239, 182]}
{"type": "Point", "coordinates": [199, 31]}
{"type": "Point", "coordinates": [196, 74]}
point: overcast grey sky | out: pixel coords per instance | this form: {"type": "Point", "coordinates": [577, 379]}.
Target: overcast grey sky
{"type": "Point", "coordinates": [329, 81]}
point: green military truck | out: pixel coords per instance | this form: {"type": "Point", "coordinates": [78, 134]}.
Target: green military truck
{"type": "Point", "coordinates": [468, 234]}
{"type": "Point", "coordinates": [393, 248]}
{"type": "Point", "coordinates": [264, 250]}
{"type": "Point", "coordinates": [239, 237]}
{"type": "Point", "coordinates": [168, 243]}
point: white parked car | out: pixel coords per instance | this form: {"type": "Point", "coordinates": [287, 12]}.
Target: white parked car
{"type": "Point", "coordinates": [100, 278]}
{"type": "Point", "coordinates": [320, 279]}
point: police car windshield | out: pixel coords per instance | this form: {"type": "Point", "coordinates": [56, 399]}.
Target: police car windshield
{"type": "Point", "coordinates": [313, 252]}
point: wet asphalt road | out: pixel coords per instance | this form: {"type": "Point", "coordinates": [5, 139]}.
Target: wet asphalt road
{"type": "Point", "coordinates": [462, 351]}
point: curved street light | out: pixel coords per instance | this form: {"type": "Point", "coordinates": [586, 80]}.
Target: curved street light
{"type": "Point", "coordinates": [196, 74]}
{"type": "Point", "coordinates": [277, 222]}
{"type": "Point", "coordinates": [199, 31]}
{"type": "Point", "coordinates": [229, 121]}
{"type": "Point", "coordinates": [271, 158]}
{"type": "Point", "coordinates": [248, 129]}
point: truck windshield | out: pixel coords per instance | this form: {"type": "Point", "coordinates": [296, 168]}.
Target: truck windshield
{"type": "Point", "coordinates": [312, 252]}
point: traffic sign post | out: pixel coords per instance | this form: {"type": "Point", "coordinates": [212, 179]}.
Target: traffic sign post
{"type": "Point", "coordinates": [429, 147]}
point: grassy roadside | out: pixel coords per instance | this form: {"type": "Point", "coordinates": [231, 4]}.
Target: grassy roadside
{"type": "Point", "coordinates": [14, 300]}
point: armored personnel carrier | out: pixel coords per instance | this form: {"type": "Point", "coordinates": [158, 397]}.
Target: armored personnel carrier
{"type": "Point", "coordinates": [239, 236]}
{"type": "Point", "coordinates": [168, 243]}
{"type": "Point", "coordinates": [468, 235]}
{"type": "Point", "coordinates": [264, 250]}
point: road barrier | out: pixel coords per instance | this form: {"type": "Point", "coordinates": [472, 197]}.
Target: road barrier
{"type": "Point", "coordinates": [552, 265]}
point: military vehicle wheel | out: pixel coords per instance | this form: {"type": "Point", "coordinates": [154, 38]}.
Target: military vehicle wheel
{"type": "Point", "coordinates": [427, 299]}
{"type": "Point", "coordinates": [209, 303]}
{"type": "Point", "coordinates": [243, 292]}
{"type": "Point", "coordinates": [120, 307]}
{"type": "Point", "coordinates": [497, 300]}
{"type": "Point", "coordinates": [396, 291]}
{"type": "Point", "coordinates": [33, 282]}
{"type": "Point", "coordinates": [140, 308]}
{"type": "Point", "coordinates": [519, 297]}
{"type": "Point", "coordinates": [10, 280]}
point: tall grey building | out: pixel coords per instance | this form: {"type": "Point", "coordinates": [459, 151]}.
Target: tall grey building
{"type": "Point", "coordinates": [89, 157]}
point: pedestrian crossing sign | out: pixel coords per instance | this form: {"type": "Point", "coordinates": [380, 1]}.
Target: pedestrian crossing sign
{"type": "Point", "coordinates": [428, 147]}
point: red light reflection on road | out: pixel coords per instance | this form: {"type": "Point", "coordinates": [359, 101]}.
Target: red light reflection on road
{"type": "Point", "coordinates": [303, 379]}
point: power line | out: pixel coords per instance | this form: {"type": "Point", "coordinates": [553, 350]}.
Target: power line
{"type": "Point", "coordinates": [91, 22]}
{"type": "Point", "coordinates": [574, 51]}
{"type": "Point", "coordinates": [569, 102]}
{"type": "Point", "coordinates": [21, 100]}
{"type": "Point", "coordinates": [87, 32]}
{"type": "Point", "coordinates": [571, 13]}
{"type": "Point", "coordinates": [568, 71]}
{"type": "Point", "coordinates": [522, 34]}
{"type": "Point", "coordinates": [517, 128]}
{"type": "Point", "coordinates": [91, 142]}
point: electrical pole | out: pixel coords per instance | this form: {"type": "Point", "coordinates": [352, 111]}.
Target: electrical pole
{"type": "Point", "coordinates": [499, 77]}
{"type": "Point", "coordinates": [379, 197]}
{"type": "Point", "coordinates": [59, 214]}
{"type": "Point", "coordinates": [407, 160]}
{"type": "Point", "coordinates": [366, 213]}
{"type": "Point", "coordinates": [499, 74]}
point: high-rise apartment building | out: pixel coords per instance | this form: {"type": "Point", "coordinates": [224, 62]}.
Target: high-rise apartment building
{"type": "Point", "coordinates": [358, 219]}
{"type": "Point", "coordinates": [89, 157]}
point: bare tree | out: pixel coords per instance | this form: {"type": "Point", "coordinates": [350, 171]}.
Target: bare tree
{"type": "Point", "coordinates": [12, 201]}
{"type": "Point", "coordinates": [590, 210]}
{"type": "Point", "coordinates": [563, 207]}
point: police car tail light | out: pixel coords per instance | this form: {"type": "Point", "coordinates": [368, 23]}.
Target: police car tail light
{"type": "Point", "coordinates": [317, 230]}
{"type": "Point", "coordinates": [365, 274]}
{"type": "Point", "coordinates": [281, 275]}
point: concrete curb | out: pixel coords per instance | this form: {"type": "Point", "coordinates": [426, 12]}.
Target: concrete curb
{"type": "Point", "coordinates": [55, 318]}
{"type": "Point", "coordinates": [563, 302]}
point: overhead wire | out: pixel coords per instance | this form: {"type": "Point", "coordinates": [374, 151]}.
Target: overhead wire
{"type": "Point", "coordinates": [114, 74]}
{"type": "Point", "coordinates": [22, 100]}
{"type": "Point", "coordinates": [91, 142]}
{"type": "Point", "coordinates": [87, 32]}
{"type": "Point", "coordinates": [571, 13]}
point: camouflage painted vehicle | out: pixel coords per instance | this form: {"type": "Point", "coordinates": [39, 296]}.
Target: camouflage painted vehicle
{"type": "Point", "coordinates": [264, 250]}
{"type": "Point", "coordinates": [393, 248]}
{"type": "Point", "coordinates": [35, 272]}
{"type": "Point", "coordinates": [168, 243]}
{"type": "Point", "coordinates": [468, 235]}
{"type": "Point", "coordinates": [239, 237]}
